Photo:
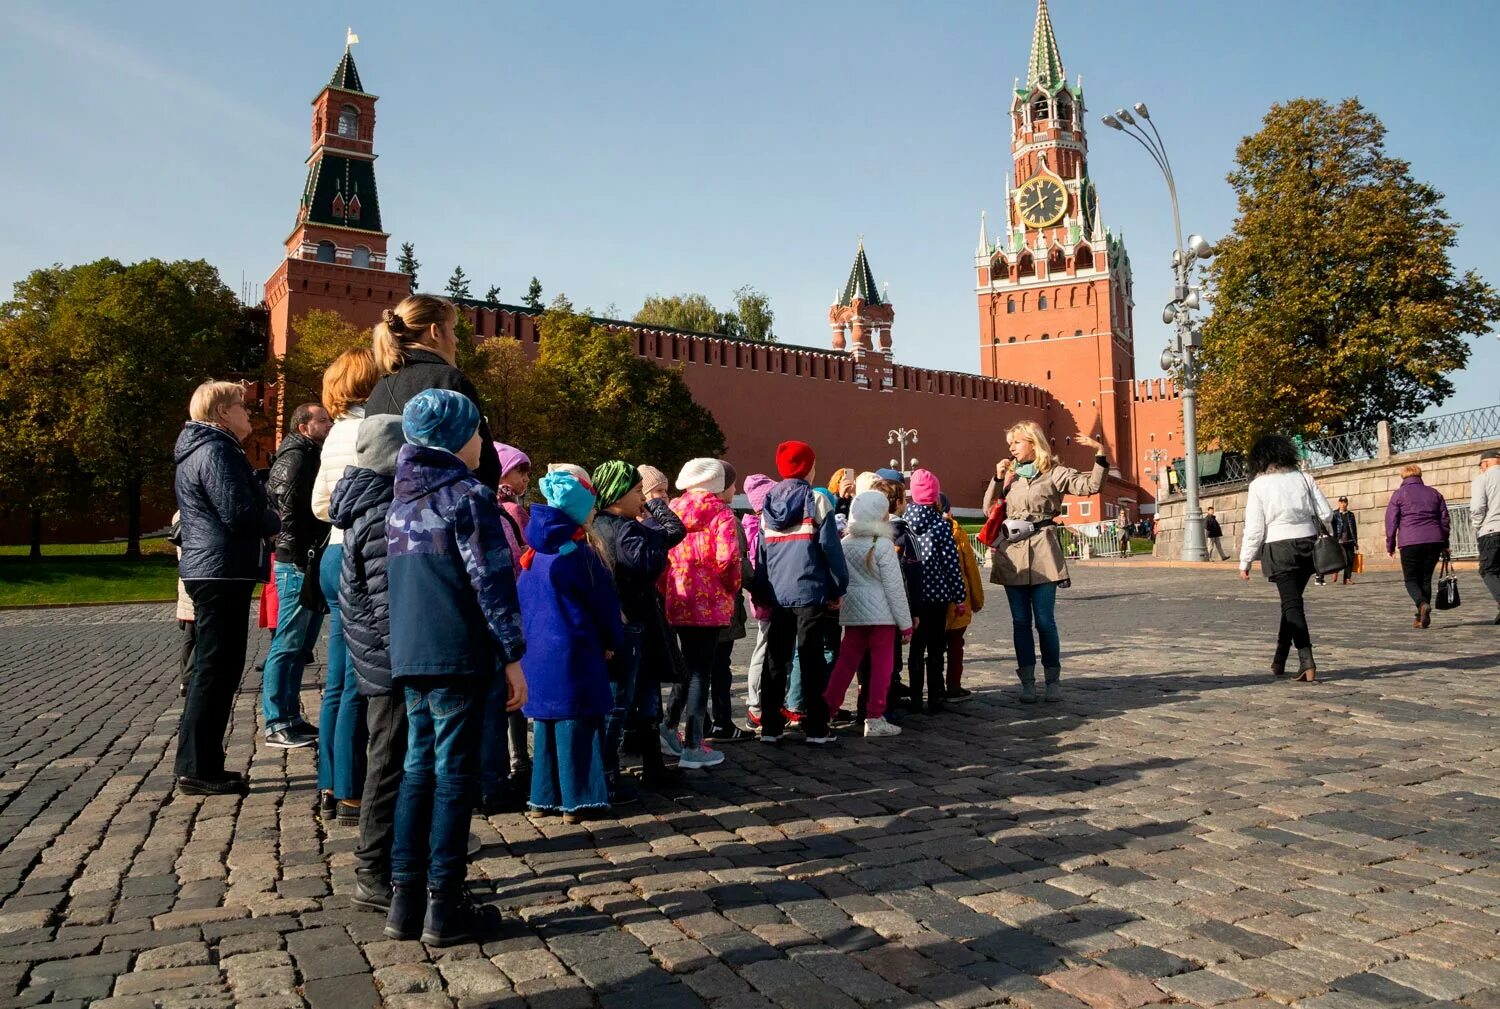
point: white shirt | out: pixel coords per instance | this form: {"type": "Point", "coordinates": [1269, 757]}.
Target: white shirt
{"type": "Point", "coordinates": [1280, 506]}
{"type": "Point", "coordinates": [1484, 502]}
{"type": "Point", "coordinates": [337, 456]}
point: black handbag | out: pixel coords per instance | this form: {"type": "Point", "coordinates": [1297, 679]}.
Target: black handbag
{"type": "Point", "coordinates": [311, 596]}
{"type": "Point", "coordinates": [1328, 555]}
{"type": "Point", "coordinates": [1447, 597]}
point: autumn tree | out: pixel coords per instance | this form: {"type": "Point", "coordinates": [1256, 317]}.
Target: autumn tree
{"type": "Point", "coordinates": [319, 337]}
{"type": "Point", "coordinates": [502, 371]}
{"type": "Point", "coordinates": [1335, 301]}
{"type": "Point", "coordinates": [753, 315]}
{"type": "Point", "coordinates": [681, 311]}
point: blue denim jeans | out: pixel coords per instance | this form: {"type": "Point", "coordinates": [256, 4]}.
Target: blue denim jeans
{"type": "Point", "coordinates": [624, 671]}
{"type": "Point", "coordinates": [341, 720]}
{"type": "Point", "coordinates": [1034, 604]}
{"type": "Point", "coordinates": [444, 716]}
{"type": "Point", "coordinates": [296, 631]}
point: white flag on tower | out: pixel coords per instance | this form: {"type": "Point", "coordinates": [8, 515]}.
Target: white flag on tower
{"type": "Point", "coordinates": [350, 38]}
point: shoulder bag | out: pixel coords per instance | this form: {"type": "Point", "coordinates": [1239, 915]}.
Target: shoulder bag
{"type": "Point", "coordinates": [1328, 556]}
{"type": "Point", "coordinates": [311, 596]}
{"type": "Point", "coordinates": [1446, 597]}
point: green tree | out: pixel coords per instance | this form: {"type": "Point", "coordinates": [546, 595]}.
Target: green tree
{"type": "Point", "coordinates": [681, 311]}
{"type": "Point", "coordinates": [407, 263]}
{"type": "Point", "coordinates": [493, 293]}
{"type": "Point", "coordinates": [321, 336]}
{"type": "Point", "coordinates": [1335, 302]}
{"type": "Point", "coordinates": [458, 284]}
{"type": "Point", "coordinates": [533, 299]}
{"type": "Point", "coordinates": [502, 371]}
{"type": "Point", "coordinates": [753, 314]}
{"type": "Point", "coordinates": [596, 400]}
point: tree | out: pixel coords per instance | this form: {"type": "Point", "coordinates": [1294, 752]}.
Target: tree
{"type": "Point", "coordinates": [596, 400]}
{"type": "Point", "coordinates": [321, 336]}
{"type": "Point", "coordinates": [533, 299]}
{"type": "Point", "coordinates": [493, 294]}
{"type": "Point", "coordinates": [1335, 302]}
{"type": "Point", "coordinates": [754, 315]}
{"type": "Point", "coordinates": [502, 371]}
{"type": "Point", "coordinates": [407, 263]}
{"type": "Point", "coordinates": [681, 311]}
{"type": "Point", "coordinates": [458, 284]}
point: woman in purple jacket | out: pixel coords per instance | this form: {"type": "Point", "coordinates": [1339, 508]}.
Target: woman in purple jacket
{"type": "Point", "coordinates": [1417, 516]}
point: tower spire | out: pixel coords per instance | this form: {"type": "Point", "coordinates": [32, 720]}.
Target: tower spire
{"type": "Point", "coordinates": [984, 236]}
{"type": "Point", "coordinates": [1046, 67]}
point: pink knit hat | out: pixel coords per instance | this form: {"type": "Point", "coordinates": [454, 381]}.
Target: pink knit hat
{"type": "Point", "coordinates": [757, 489]}
{"type": "Point", "coordinates": [925, 489]}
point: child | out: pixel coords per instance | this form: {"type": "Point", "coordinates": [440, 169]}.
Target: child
{"type": "Point", "coordinates": [874, 610]}
{"type": "Point", "coordinates": [721, 682]}
{"type": "Point", "coordinates": [496, 794]}
{"type": "Point", "coordinates": [454, 620]}
{"type": "Point", "coordinates": [358, 506]}
{"type": "Point", "coordinates": [961, 614]}
{"type": "Point", "coordinates": [942, 584]}
{"type": "Point", "coordinates": [702, 579]}
{"type": "Point", "coordinates": [910, 559]}
{"type": "Point", "coordinates": [572, 618]}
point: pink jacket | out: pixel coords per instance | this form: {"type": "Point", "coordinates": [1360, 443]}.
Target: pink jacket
{"type": "Point", "coordinates": [515, 535]}
{"type": "Point", "coordinates": [751, 524]}
{"type": "Point", "coordinates": [703, 571]}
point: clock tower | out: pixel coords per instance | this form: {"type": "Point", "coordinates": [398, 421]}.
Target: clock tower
{"type": "Point", "coordinates": [1053, 282]}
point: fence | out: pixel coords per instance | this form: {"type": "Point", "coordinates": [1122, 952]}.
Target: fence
{"type": "Point", "coordinates": [1462, 541]}
{"type": "Point", "coordinates": [1107, 541]}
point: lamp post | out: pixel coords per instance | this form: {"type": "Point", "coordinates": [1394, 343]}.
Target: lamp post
{"type": "Point", "coordinates": [1156, 457]}
{"type": "Point", "coordinates": [1187, 335]}
{"type": "Point", "coordinates": [902, 436]}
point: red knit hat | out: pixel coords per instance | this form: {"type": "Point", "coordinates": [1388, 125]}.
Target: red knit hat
{"type": "Point", "coordinates": [794, 459]}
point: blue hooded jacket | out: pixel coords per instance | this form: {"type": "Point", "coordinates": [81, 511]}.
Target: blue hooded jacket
{"type": "Point", "coordinates": [452, 589]}
{"type": "Point", "coordinates": [800, 561]}
{"type": "Point", "coordinates": [358, 506]}
{"type": "Point", "coordinates": [226, 514]}
{"type": "Point", "coordinates": [572, 617]}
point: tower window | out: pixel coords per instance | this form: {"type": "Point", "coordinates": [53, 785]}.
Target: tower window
{"type": "Point", "coordinates": [1084, 258]}
{"type": "Point", "coordinates": [1026, 266]}
{"type": "Point", "coordinates": [1064, 111]}
{"type": "Point", "coordinates": [361, 257]}
{"type": "Point", "coordinates": [325, 252]}
{"type": "Point", "coordinates": [1039, 109]}
{"type": "Point", "coordinates": [1011, 340]}
{"type": "Point", "coordinates": [1010, 306]}
{"type": "Point", "coordinates": [349, 122]}
{"type": "Point", "coordinates": [1041, 304]}
{"type": "Point", "coordinates": [1046, 336]}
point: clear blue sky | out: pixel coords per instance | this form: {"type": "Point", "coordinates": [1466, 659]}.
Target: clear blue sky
{"type": "Point", "coordinates": [618, 150]}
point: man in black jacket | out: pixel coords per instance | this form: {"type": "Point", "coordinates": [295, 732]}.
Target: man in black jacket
{"type": "Point", "coordinates": [290, 485]}
{"type": "Point", "coordinates": [1346, 532]}
{"type": "Point", "coordinates": [1215, 536]}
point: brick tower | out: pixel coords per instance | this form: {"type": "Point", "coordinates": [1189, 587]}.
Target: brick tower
{"type": "Point", "coordinates": [1054, 284]}
{"type": "Point", "coordinates": [861, 318]}
{"type": "Point", "coordinates": [335, 254]}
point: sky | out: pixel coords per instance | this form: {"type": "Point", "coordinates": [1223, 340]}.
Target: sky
{"type": "Point", "coordinates": [621, 150]}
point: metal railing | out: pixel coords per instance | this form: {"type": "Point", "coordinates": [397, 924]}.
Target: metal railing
{"type": "Point", "coordinates": [1351, 446]}
{"type": "Point", "coordinates": [1449, 429]}
{"type": "Point", "coordinates": [1461, 539]}
{"type": "Point", "coordinates": [1108, 541]}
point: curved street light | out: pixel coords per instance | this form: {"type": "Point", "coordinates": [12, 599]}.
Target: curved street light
{"type": "Point", "coordinates": [902, 436]}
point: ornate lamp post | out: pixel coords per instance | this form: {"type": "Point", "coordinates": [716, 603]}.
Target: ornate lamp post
{"type": "Point", "coordinates": [1187, 338]}
{"type": "Point", "coordinates": [902, 436]}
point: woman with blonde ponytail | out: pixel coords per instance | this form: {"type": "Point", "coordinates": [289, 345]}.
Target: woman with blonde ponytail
{"type": "Point", "coordinates": [416, 345]}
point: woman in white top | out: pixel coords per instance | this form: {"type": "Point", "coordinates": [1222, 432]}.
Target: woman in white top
{"type": "Point", "coordinates": [347, 383]}
{"type": "Point", "coordinates": [1282, 510]}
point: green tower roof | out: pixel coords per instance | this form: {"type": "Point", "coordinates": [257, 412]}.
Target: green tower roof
{"type": "Point", "coordinates": [1046, 67]}
{"type": "Point", "coordinates": [861, 283]}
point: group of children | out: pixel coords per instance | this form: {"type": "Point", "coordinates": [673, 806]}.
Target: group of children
{"type": "Point", "coordinates": [575, 611]}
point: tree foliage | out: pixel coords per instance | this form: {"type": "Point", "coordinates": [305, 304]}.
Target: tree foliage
{"type": "Point", "coordinates": [1335, 302]}
{"type": "Point", "coordinates": [750, 319]}
{"type": "Point", "coordinates": [458, 284]}
{"type": "Point", "coordinates": [533, 297]}
{"type": "Point", "coordinates": [408, 264]}
{"type": "Point", "coordinates": [492, 293]}
{"type": "Point", "coordinates": [752, 313]}
{"type": "Point", "coordinates": [320, 336]}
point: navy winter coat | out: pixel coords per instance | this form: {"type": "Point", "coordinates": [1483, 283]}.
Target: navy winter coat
{"type": "Point", "coordinates": [800, 561]}
{"type": "Point", "coordinates": [572, 617]}
{"type": "Point", "coordinates": [226, 515]}
{"type": "Point", "coordinates": [452, 586]}
{"type": "Point", "coordinates": [359, 504]}
{"type": "Point", "coordinates": [422, 370]}
{"type": "Point", "coordinates": [638, 553]}
{"type": "Point", "coordinates": [942, 573]}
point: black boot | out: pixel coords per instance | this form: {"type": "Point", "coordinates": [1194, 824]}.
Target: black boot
{"type": "Point", "coordinates": [408, 904]}
{"type": "Point", "coordinates": [1278, 661]}
{"type": "Point", "coordinates": [622, 791]}
{"type": "Point", "coordinates": [453, 917]}
{"type": "Point", "coordinates": [654, 770]}
{"type": "Point", "coordinates": [371, 893]}
{"type": "Point", "coordinates": [1307, 670]}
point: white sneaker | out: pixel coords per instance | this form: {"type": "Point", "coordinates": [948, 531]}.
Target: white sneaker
{"type": "Point", "coordinates": [821, 740]}
{"type": "Point", "coordinates": [671, 742]}
{"type": "Point", "coordinates": [880, 727]}
{"type": "Point", "coordinates": [703, 756]}
{"type": "Point", "coordinates": [772, 740]}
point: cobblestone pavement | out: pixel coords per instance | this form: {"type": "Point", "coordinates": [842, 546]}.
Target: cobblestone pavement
{"type": "Point", "coordinates": [1181, 829]}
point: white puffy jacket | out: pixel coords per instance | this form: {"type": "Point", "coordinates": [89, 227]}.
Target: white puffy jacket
{"type": "Point", "coordinates": [877, 593]}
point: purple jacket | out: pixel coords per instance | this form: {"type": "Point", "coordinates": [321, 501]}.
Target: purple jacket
{"type": "Point", "coordinates": [1417, 514]}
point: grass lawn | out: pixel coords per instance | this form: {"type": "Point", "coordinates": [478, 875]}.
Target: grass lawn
{"type": "Point", "coordinates": [85, 579]}
{"type": "Point", "coordinates": [150, 546]}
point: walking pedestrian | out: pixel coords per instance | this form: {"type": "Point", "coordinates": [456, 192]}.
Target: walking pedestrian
{"type": "Point", "coordinates": [1417, 518]}
{"type": "Point", "coordinates": [225, 519]}
{"type": "Point", "coordinates": [358, 508]}
{"type": "Point", "coordinates": [1484, 512]}
{"type": "Point", "coordinates": [293, 471]}
{"type": "Point", "coordinates": [1283, 507]}
{"type": "Point", "coordinates": [942, 587]}
{"type": "Point", "coordinates": [347, 383]}
{"type": "Point", "coordinates": [1030, 564]}
{"type": "Point", "coordinates": [455, 621]}
{"type": "Point", "coordinates": [1346, 531]}
{"type": "Point", "coordinates": [1215, 534]}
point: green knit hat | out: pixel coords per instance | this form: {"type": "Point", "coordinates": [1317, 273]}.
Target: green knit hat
{"type": "Point", "coordinates": [613, 480]}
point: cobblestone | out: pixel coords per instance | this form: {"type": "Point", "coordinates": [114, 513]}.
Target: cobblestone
{"type": "Point", "coordinates": [1181, 823]}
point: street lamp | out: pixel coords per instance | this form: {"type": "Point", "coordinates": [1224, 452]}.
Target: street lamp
{"type": "Point", "coordinates": [902, 436]}
{"type": "Point", "coordinates": [1187, 337]}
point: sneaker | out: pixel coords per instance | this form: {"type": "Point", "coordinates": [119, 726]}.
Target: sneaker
{"type": "Point", "coordinates": [703, 756]}
{"type": "Point", "coordinates": [793, 718]}
{"type": "Point", "coordinates": [821, 740]}
{"type": "Point", "coordinates": [957, 694]}
{"type": "Point", "coordinates": [213, 786]}
{"type": "Point", "coordinates": [770, 740]}
{"type": "Point", "coordinates": [348, 813]}
{"type": "Point", "coordinates": [288, 739]}
{"type": "Point", "coordinates": [671, 742]}
{"type": "Point", "coordinates": [880, 727]}
{"type": "Point", "coordinates": [843, 716]}
{"type": "Point", "coordinates": [305, 728]}
{"type": "Point", "coordinates": [752, 715]}
{"type": "Point", "coordinates": [727, 734]}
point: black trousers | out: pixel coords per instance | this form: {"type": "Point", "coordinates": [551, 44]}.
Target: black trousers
{"type": "Point", "coordinates": [1489, 563]}
{"type": "Point", "coordinates": [1350, 549]}
{"type": "Point", "coordinates": [221, 611]}
{"type": "Point", "coordinates": [929, 649]}
{"type": "Point", "coordinates": [1289, 566]}
{"type": "Point", "coordinates": [185, 662]}
{"type": "Point", "coordinates": [721, 682]}
{"type": "Point", "coordinates": [385, 718]}
{"type": "Point", "coordinates": [803, 629]}
{"type": "Point", "coordinates": [699, 648]}
{"type": "Point", "coordinates": [1417, 564]}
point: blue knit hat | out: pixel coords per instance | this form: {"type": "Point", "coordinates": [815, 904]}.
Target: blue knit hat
{"type": "Point", "coordinates": [440, 418]}
{"type": "Point", "coordinates": [889, 474]}
{"type": "Point", "coordinates": [568, 494]}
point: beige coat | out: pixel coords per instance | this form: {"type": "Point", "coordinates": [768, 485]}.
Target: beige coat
{"type": "Point", "coordinates": [1038, 559]}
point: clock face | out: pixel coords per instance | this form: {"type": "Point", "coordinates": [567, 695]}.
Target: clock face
{"type": "Point", "coordinates": [1042, 201]}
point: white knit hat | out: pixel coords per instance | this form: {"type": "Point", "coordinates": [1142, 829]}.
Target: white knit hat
{"type": "Point", "coordinates": [573, 469]}
{"type": "Point", "coordinates": [869, 506]}
{"type": "Point", "coordinates": [702, 474]}
{"type": "Point", "coordinates": [865, 481]}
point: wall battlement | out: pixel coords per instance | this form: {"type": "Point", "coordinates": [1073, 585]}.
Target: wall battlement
{"type": "Point", "coordinates": [1151, 390]}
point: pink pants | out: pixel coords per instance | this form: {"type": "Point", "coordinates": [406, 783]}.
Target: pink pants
{"type": "Point", "coordinates": [880, 644]}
